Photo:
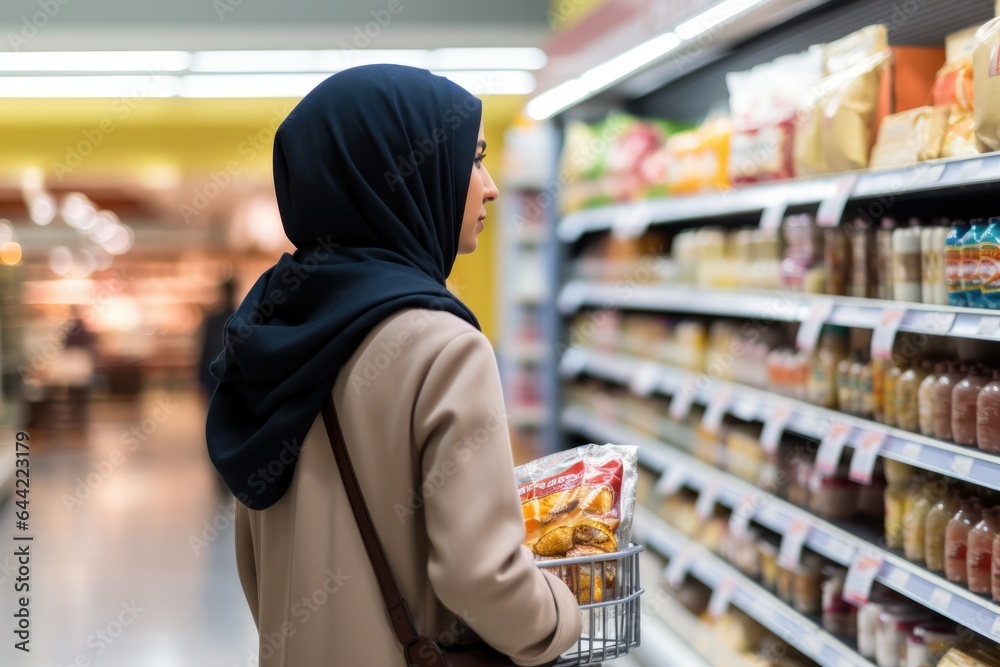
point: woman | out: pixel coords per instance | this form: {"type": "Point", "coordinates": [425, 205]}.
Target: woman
{"type": "Point", "coordinates": [380, 183]}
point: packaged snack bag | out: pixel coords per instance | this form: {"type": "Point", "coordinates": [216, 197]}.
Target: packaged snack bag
{"type": "Point", "coordinates": [580, 503]}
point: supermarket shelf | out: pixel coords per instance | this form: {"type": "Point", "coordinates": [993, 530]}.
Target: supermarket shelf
{"type": "Point", "coordinates": [528, 353]}
{"type": "Point", "coordinates": [661, 647]}
{"type": "Point", "coordinates": [789, 625]}
{"type": "Point", "coordinates": [939, 175]}
{"type": "Point", "coordinates": [932, 591]}
{"type": "Point", "coordinates": [751, 404]}
{"type": "Point", "coordinates": [782, 306]}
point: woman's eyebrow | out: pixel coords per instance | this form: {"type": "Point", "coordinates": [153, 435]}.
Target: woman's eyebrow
{"type": "Point", "coordinates": [482, 145]}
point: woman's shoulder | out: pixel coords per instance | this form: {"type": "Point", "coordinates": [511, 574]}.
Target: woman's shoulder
{"type": "Point", "coordinates": [422, 332]}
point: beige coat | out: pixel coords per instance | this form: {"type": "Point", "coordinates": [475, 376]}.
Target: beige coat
{"type": "Point", "coordinates": [423, 418]}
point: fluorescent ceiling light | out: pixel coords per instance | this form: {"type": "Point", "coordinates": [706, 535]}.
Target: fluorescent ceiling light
{"type": "Point", "coordinates": [634, 59]}
{"type": "Point", "coordinates": [715, 16]}
{"type": "Point", "coordinates": [238, 62]}
{"type": "Point", "coordinates": [493, 82]}
{"type": "Point", "coordinates": [96, 61]}
{"type": "Point", "coordinates": [556, 99]}
{"type": "Point", "coordinates": [248, 85]}
{"type": "Point", "coordinates": [488, 58]}
{"type": "Point", "coordinates": [127, 87]}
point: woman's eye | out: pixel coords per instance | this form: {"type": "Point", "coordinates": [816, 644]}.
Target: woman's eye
{"type": "Point", "coordinates": [479, 159]}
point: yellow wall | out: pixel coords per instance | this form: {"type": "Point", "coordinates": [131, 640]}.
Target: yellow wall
{"type": "Point", "coordinates": [141, 141]}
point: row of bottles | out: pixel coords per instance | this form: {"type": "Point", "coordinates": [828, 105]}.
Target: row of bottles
{"type": "Point", "coordinates": [952, 528]}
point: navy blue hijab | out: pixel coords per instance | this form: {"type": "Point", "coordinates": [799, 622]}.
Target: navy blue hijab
{"type": "Point", "coordinates": [371, 171]}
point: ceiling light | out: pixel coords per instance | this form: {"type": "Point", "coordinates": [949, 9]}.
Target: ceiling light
{"type": "Point", "coordinates": [150, 85]}
{"type": "Point", "coordinates": [488, 58]}
{"type": "Point", "coordinates": [248, 85]}
{"type": "Point", "coordinates": [619, 67]}
{"type": "Point", "coordinates": [556, 99]}
{"type": "Point", "coordinates": [96, 61]}
{"type": "Point", "coordinates": [715, 16]}
{"type": "Point", "coordinates": [492, 82]}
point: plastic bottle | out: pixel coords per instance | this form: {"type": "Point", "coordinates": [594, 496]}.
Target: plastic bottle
{"type": "Point", "coordinates": [907, 411]}
{"type": "Point", "coordinates": [883, 258]}
{"type": "Point", "coordinates": [895, 512]}
{"type": "Point", "coordinates": [844, 403]}
{"type": "Point", "coordinates": [942, 399]}
{"type": "Point", "coordinates": [996, 568]}
{"type": "Point", "coordinates": [989, 264]}
{"type": "Point", "coordinates": [963, 408]}
{"type": "Point", "coordinates": [940, 284]}
{"type": "Point", "coordinates": [980, 551]}
{"type": "Point", "coordinates": [889, 391]}
{"type": "Point", "coordinates": [862, 260]}
{"type": "Point", "coordinates": [930, 260]}
{"type": "Point", "coordinates": [988, 416]}
{"type": "Point", "coordinates": [915, 524]}
{"type": "Point", "coordinates": [956, 548]}
{"type": "Point", "coordinates": [970, 264]}
{"type": "Point", "coordinates": [934, 531]}
{"type": "Point", "coordinates": [925, 400]}
{"type": "Point", "coordinates": [953, 264]}
{"type": "Point", "coordinates": [906, 264]}
{"type": "Point", "coordinates": [821, 387]}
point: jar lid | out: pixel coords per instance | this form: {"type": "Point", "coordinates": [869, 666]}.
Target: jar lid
{"type": "Point", "coordinates": [914, 640]}
{"type": "Point", "coordinates": [936, 631]}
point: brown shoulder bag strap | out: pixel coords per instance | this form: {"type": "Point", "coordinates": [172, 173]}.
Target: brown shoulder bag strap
{"type": "Point", "coordinates": [399, 612]}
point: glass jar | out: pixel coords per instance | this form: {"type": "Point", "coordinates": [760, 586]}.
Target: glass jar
{"type": "Point", "coordinates": [963, 408]}
{"type": "Point", "coordinates": [938, 638]}
{"type": "Point", "coordinates": [844, 402]}
{"type": "Point", "coordinates": [868, 616]}
{"type": "Point", "coordinates": [956, 549]}
{"type": "Point", "coordinates": [807, 597]}
{"type": "Point", "coordinates": [833, 498]}
{"type": "Point", "coordinates": [988, 416]}
{"type": "Point", "coordinates": [934, 531]}
{"type": "Point", "coordinates": [980, 551]}
{"type": "Point", "coordinates": [839, 617]}
{"type": "Point", "coordinates": [895, 624]}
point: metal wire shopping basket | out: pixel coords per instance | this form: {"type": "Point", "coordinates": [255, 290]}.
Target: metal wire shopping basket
{"type": "Point", "coordinates": [607, 586]}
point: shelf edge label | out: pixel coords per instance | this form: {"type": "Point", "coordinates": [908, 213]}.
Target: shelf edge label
{"type": "Point", "coordinates": [774, 427]}
{"type": "Point", "coordinates": [792, 543]}
{"type": "Point", "coordinates": [721, 598]}
{"type": "Point", "coordinates": [885, 332]}
{"type": "Point", "coordinates": [861, 577]}
{"type": "Point", "coordinates": [807, 336]}
{"type": "Point", "coordinates": [831, 448]}
{"type": "Point", "coordinates": [865, 455]}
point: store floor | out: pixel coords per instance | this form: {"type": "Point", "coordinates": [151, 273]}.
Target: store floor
{"type": "Point", "coordinates": [132, 561]}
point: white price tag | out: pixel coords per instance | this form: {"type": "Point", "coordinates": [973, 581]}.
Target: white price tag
{"type": "Point", "coordinates": [678, 567]}
{"type": "Point", "coordinates": [739, 520]}
{"type": "Point", "coordinates": [927, 174]}
{"type": "Point", "coordinates": [711, 421]}
{"type": "Point", "coordinates": [961, 465]}
{"type": "Point", "coordinates": [865, 455]}
{"type": "Point", "coordinates": [774, 426]}
{"type": "Point", "coordinates": [831, 209]}
{"type": "Point", "coordinates": [885, 332]}
{"type": "Point", "coordinates": [706, 500]}
{"type": "Point", "coordinates": [861, 577]}
{"type": "Point", "coordinates": [573, 362]}
{"type": "Point", "coordinates": [671, 481]}
{"type": "Point", "coordinates": [941, 599]}
{"type": "Point", "coordinates": [646, 379]}
{"type": "Point", "coordinates": [970, 169]}
{"type": "Point", "coordinates": [831, 448]}
{"type": "Point", "coordinates": [996, 627]}
{"type": "Point", "coordinates": [808, 333]}
{"type": "Point", "coordinates": [722, 596]}
{"type": "Point", "coordinates": [680, 404]}
{"type": "Point", "coordinates": [770, 219]}
{"type": "Point", "coordinates": [791, 544]}
{"type": "Point", "coordinates": [988, 326]}
{"type": "Point", "coordinates": [571, 298]}
{"type": "Point", "coordinates": [912, 451]}
{"type": "Point", "coordinates": [899, 578]}
{"type": "Point", "coordinates": [936, 323]}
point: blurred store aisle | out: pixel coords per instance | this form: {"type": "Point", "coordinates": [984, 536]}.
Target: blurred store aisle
{"type": "Point", "coordinates": [132, 563]}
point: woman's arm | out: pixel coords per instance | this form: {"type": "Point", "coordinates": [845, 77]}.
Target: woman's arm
{"type": "Point", "coordinates": [478, 566]}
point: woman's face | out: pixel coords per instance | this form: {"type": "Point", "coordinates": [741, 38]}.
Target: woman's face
{"type": "Point", "coordinates": [481, 190]}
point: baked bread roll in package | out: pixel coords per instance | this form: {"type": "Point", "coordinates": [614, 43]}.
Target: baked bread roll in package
{"type": "Point", "coordinates": [580, 503]}
{"type": "Point", "coordinates": [986, 83]}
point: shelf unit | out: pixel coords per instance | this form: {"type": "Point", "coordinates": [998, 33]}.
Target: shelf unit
{"type": "Point", "coordinates": [751, 404]}
{"type": "Point", "coordinates": [973, 323]}
{"type": "Point", "coordinates": [761, 605]}
{"type": "Point", "coordinates": [837, 544]}
{"type": "Point", "coordinates": [939, 176]}
{"type": "Point", "coordinates": [526, 241]}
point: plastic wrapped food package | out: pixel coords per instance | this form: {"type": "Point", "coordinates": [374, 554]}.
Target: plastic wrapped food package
{"type": "Point", "coordinates": [698, 160]}
{"type": "Point", "coordinates": [986, 86]}
{"type": "Point", "coordinates": [910, 136]}
{"type": "Point", "coordinates": [764, 102]}
{"type": "Point", "coordinates": [580, 503]}
{"type": "Point", "coordinates": [833, 131]}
